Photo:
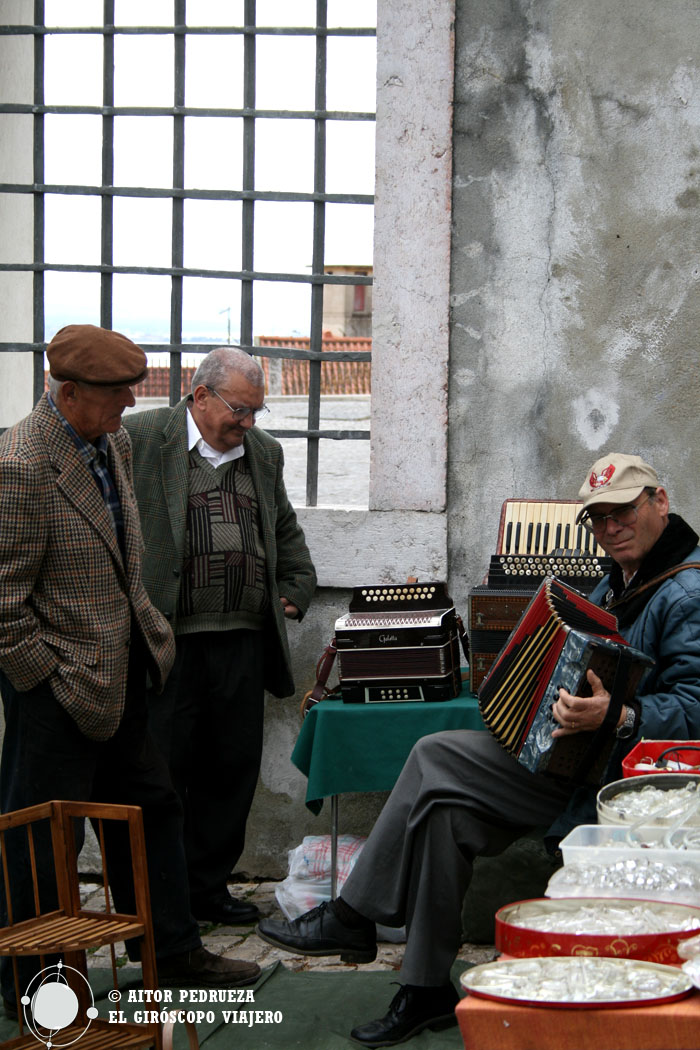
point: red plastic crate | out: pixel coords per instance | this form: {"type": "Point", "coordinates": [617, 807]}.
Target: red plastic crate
{"type": "Point", "coordinates": [648, 751]}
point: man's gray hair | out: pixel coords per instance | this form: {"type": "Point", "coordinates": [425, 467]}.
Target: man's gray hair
{"type": "Point", "coordinates": [221, 362]}
{"type": "Point", "coordinates": [55, 387]}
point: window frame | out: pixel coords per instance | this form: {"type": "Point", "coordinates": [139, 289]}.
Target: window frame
{"type": "Point", "coordinates": [404, 531]}
{"type": "Point", "coordinates": [247, 275]}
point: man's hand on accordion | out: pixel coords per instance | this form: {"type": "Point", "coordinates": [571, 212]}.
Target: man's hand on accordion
{"type": "Point", "coordinates": [581, 713]}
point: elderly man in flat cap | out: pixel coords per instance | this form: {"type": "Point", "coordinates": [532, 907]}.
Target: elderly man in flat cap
{"type": "Point", "coordinates": [461, 795]}
{"type": "Point", "coordinates": [78, 634]}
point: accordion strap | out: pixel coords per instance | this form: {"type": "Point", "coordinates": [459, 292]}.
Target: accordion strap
{"type": "Point", "coordinates": [323, 669]}
{"type": "Point", "coordinates": [654, 582]}
{"type": "Point", "coordinates": [617, 698]}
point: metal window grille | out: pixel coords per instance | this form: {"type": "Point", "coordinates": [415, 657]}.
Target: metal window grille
{"type": "Point", "coordinates": [247, 276]}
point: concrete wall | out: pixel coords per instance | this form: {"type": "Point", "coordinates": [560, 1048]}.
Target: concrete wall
{"type": "Point", "coordinates": [573, 272]}
{"type": "Point", "coordinates": [575, 266]}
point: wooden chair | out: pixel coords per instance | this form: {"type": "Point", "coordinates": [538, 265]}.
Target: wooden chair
{"type": "Point", "coordinates": [62, 926]}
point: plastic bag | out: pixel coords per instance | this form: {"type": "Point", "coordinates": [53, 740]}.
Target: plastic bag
{"type": "Point", "coordinates": [309, 881]}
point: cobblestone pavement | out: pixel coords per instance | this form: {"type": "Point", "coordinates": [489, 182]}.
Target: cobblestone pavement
{"type": "Point", "coordinates": [241, 942]}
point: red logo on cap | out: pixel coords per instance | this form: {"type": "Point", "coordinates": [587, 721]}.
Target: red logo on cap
{"type": "Point", "coordinates": [596, 481]}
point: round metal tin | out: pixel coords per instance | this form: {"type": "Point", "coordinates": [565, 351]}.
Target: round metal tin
{"type": "Point", "coordinates": [577, 983]}
{"type": "Point", "coordinates": [612, 797]}
{"type": "Point", "coordinates": [517, 932]}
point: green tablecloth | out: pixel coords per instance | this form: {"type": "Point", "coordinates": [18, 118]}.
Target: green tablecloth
{"type": "Point", "coordinates": [362, 747]}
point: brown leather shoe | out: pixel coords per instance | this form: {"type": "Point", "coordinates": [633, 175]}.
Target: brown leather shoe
{"type": "Point", "coordinates": [202, 969]}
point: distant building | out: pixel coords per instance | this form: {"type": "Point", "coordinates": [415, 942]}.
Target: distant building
{"type": "Point", "coordinates": [282, 376]}
{"type": "Point", "coordinates": [347, 326]}
{"type": "Point", "coordinates": [347, 308]}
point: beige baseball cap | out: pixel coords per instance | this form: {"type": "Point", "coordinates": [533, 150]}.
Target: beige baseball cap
{"type": "Point", "coordinates": [616, 478]}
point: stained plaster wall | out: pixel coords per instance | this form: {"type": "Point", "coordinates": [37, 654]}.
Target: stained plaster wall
{"type": "Point", "coordinates": [575, 254]}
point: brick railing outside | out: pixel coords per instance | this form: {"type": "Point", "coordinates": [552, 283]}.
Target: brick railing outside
{"type": "Point", "coordinates": [285, 376]}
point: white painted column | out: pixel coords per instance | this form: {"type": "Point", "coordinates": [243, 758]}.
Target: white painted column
{"type": "Point", "coordinates": [16, 218]}
{"type": "Point", "coordinates": [404, 532]}
{"type": "Point", "coordinates": [412, 255]}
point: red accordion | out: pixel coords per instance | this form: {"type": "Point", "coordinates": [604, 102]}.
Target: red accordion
{"type": "Point", "coordinates": [560, 636]}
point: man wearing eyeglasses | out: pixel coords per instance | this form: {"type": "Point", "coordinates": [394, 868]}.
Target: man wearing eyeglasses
{"type": "Point", "coordinates": [628, 513]}
{"type": "Point", "coordinates": [461, 795]}
{"type": "Point", "coordinates": [227, 564]}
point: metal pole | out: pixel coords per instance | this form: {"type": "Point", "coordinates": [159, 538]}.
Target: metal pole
{"type": "Point", "coordinates": [334, 846]}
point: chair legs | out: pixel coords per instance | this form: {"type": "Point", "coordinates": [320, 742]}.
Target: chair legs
{"type": "Point", "coordinates": [168, 1031]}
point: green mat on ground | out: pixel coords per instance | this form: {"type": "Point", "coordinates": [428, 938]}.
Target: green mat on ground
{"type": "Point", "coordinates": [309, 1010]}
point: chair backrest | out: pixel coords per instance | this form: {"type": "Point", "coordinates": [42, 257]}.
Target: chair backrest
{"type": "Point", "coordinates": [41, 889]}
{"type": "Point", "coordinates": [24, 837]}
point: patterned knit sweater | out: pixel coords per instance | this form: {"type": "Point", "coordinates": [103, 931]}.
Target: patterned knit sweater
{"type": "Point", "coordinates": [223, 583]}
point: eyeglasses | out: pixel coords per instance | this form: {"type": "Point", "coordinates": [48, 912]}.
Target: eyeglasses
{"type": "Point", "coordinates": [624, 516]}
{"type": "Point", "coordinates": [241, 411]}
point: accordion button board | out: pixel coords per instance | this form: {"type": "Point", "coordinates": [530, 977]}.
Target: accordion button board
{"type": "Point", "coordinates": [399, 642]}
{"type": "Point", "coordinates": [537, 540]}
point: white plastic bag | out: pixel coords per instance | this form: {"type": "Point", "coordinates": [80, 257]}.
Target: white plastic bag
{"type": "Point", "coordinates": [309, 881]}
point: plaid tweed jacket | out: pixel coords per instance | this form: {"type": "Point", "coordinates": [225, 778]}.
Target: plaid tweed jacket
{"type": "Point", "coordinates": [161, 464]}
{"type": "Point", "coordinates": [67, 597]}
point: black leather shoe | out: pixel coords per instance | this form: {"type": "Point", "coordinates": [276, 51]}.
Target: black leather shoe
{"type": "Point", "coordinates": [225, 909]}
{"type": "Point", "coordinates": [411, 1010]}
{"type": "Point", "coordinates": [202, 969]}
{"type": "Point", "coordinates": [320, 932]}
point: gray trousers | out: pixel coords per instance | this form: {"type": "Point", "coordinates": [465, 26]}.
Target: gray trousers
{"type": "Point", "coordinates": [460, 795]}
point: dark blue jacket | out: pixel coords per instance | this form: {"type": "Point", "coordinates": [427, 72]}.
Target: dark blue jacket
{"type": "Point", "coordinates": [668, 630]}
{"type": "Point", "coordinates": [664, 622]}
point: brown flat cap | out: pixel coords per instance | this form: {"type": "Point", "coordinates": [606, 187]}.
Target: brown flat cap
{"type": "Point", "coordinates": [89, 354]}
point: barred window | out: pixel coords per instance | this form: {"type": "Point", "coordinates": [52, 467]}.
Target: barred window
{"type": "Point", "coordinates": [203, 173]}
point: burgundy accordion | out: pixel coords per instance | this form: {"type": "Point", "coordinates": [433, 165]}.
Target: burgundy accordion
{"type": "Point", "coordinates": [560, 636]}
